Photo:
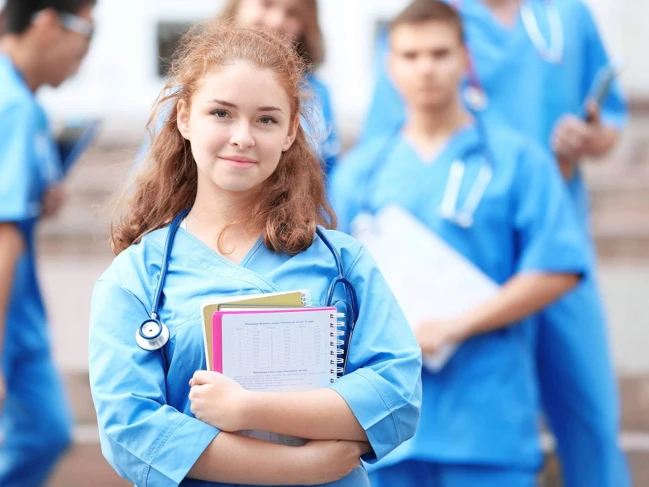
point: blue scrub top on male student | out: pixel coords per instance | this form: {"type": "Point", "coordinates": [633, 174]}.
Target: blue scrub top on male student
{"type": "Point", "coordinates": [481, 408]}
{"type": "Point", "coordinates": [29, 165]}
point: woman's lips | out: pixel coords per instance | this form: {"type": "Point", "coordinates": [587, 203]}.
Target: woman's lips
{"type": "Point", "coordinates": [239, 161]}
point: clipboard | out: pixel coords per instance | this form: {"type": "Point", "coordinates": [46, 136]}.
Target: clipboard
{"type": "Point", "coordinates": [429, 278]}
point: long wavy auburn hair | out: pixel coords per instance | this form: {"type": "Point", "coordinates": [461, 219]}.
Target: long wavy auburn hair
{"type": "Point", "coordinates": [310, 46]}
{"type": "Point", "coordinates": [288, 204]}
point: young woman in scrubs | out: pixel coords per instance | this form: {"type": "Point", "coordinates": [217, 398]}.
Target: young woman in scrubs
{"type": "Point", "coordinates": [539, 85]}
{"type": "Point", "coordinates": [233, 152]}
{"type": "Point", "coordinates": [479, 412]}
{"type": "Point", "coordinates": [39, 47]}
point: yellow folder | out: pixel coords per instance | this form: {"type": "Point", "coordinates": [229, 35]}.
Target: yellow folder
{"type": "Point", "coordinates": [289, 299]}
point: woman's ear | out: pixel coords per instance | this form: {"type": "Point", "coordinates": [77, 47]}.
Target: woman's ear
{"type": "Point", "coordinates": [182, 120]}
{"type": "Point", "coordinates": [292, 133]}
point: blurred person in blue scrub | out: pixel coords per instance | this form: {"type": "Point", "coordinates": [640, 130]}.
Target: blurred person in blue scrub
{"type": "Point", "coordinates": [235, 204]}
{"type": "Point", "coordinates": [298, 20]}
{"type": "Point", "coordinates": [535, 64]}
{"type": "Point", "coordinates": [497, 199]}
{"type": "Point", "coordinates": [44, 44]}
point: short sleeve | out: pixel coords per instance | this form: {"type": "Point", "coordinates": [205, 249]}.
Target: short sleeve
{"type": "Point", "coordinates": [19, 175]}
{"type": "Point", "coordinates": [146, 440]}
{"type": "Point", "coordinates": [549, 235]}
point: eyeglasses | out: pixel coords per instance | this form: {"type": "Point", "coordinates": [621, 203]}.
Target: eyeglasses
{"type": "Point", "coordinates": [74, 23]}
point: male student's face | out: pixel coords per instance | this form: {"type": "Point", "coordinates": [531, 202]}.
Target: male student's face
{"type": "Point", "coordinates": [427, 62]}
{"type": "Point", "coordinates": [66, 49]}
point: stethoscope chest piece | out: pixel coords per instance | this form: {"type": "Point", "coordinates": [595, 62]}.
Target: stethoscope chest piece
{"type": "Point", "coordinates": [152, 335]}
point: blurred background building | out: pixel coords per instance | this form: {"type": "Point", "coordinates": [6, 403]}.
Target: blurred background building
{"type": "Point", "coordinates": [124, 73]}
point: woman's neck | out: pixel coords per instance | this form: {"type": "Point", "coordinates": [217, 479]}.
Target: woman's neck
{"type": "Point", "coordinates": [215, 210]}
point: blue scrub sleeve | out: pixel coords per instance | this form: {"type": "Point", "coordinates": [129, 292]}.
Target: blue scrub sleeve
{"type": "Point", "coordinates": [344, 194]}
{"type": "Point", "coordinates": [17, 169]}
{"type": "Point", "coordinates": [614, 109]}
{"type": "Point", "coordinates": [162, 115]}
{"type": "Point", "coordinates": [146, 440]}
{"type": "Point", "coordinates": [383, 383]}
{"type": "Point", "coordinates": [331, 145]}
{"type": "Point", "coordinates": [549, 235]}
{"type": "Point", "coordinates": [348, 186]}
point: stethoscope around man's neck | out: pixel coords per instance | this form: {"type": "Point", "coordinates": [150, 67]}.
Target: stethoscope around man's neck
{"type": "Point", "coordinates": [449, 210]}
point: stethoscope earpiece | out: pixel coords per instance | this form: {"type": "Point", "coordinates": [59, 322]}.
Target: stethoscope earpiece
{"type": "Point", "coordinates": [152, 335]}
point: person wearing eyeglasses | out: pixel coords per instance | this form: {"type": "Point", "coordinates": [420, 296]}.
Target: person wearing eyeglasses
{"type": "Point", "coordinates": [43, 44]}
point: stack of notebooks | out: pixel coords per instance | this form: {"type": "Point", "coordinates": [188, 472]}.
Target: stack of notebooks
{"type": "Point", "coordinates": [274, 342]}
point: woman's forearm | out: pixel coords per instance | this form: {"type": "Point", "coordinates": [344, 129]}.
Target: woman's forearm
{"type": "Point", "coordinates": [320, 414]}
{"type": "Point", "coordinates": [236, 459]}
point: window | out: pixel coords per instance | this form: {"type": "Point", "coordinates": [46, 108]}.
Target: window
{"type": "Point", "coordinates": [169, 34]}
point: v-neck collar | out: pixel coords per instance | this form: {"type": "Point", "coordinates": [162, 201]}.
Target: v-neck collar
{"type": "Point", "coordinates": [449, 148]}
{"type": "Point", "coordinates": [241, 264]}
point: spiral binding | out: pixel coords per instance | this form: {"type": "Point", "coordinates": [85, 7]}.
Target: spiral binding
{"type": "Point", "coordinates": [337, 331]}
{"type": "Point", "coordinates": [306, 298]}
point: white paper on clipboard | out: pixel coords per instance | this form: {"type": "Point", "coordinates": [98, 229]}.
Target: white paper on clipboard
{"type": "Point", "coordinates": [428, 277]}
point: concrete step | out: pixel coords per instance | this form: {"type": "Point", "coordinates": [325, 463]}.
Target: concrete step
{"type": "Point", "coordinates": [84, 466]}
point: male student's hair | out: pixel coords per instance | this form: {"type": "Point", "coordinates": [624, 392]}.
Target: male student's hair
{"type": "Point", "coordinates": [421, 11]}
{"type": "Point", "coordinates": [17, 15]}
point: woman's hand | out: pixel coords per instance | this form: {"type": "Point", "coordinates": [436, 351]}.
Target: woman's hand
{"type": "Point", "coordinates": [218, 400]}
{"type": "Point", "coordinates": [330, 460]}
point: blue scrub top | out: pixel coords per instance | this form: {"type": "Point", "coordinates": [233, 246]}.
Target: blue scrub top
{"type": "Point", "coordinates": [29, 164]}
{"type": "Point", "coordinates": [147, 431]}
{"type": "Point", "coordinates": [525, 92]}
{"type": "Point", "coordinates": [324, 130]}
{"type": "Point", "coordinates": [482, 406]}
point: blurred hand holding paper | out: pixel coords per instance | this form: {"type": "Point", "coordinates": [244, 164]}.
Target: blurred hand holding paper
{"type": "Point", "coordinates": [430, 279]}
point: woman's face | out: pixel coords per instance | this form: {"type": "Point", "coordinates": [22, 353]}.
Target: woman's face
{"type": "Point", "coordinates": [238, 125]}
{"type": "Point", "coordinates": [283, 16]}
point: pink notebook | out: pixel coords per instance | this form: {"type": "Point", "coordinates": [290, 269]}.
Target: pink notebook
{"type": "Point", "coordinates": [278, 349]}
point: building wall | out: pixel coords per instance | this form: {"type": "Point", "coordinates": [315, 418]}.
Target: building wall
{"type": "Point", "coordinates": [119, 80]}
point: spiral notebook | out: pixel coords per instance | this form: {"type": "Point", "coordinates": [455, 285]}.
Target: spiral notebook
{"type": "Point", "coordinates": [278, 350]}
{"type": "Point", "coordinates": [289, 299]}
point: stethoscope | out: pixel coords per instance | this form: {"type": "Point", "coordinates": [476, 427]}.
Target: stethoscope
{"type": "Point", "coordinates": [153, 334]}
{"type": "Point", "coordinates": [461, 216]}
{"type": "Point", "coordinates": [550, 51]}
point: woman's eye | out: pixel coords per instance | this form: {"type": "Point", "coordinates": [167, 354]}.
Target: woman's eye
{"type": "Point", "coordinates": [220, 113]}
{"type": "Point", "coordinates": [267, 120]}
